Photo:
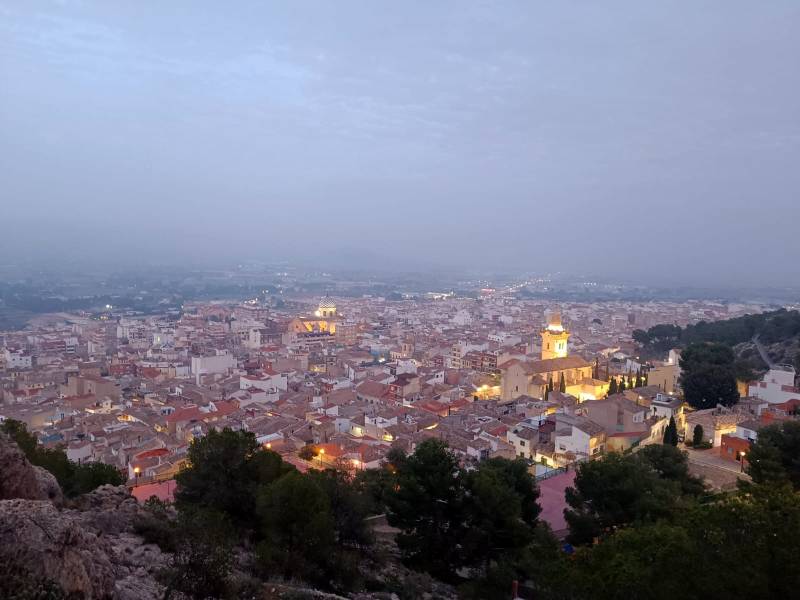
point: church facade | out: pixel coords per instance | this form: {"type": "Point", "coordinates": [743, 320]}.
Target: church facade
{"type": "Point", "coordinates": [325, 319]}
{"type": "Point", "coordinates": [531, 378]}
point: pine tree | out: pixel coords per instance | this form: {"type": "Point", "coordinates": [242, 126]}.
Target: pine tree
{"type": "Point", "coordinates": [562, 385]}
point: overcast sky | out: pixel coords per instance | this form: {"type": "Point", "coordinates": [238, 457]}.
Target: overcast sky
{"type": "Point", "coordinates": [656, 140]}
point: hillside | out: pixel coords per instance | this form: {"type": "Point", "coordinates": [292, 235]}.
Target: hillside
{"type": "Point", "coordinates": [778, 332]}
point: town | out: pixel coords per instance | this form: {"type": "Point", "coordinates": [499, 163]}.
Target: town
{"type": "Point", "coordinates": [338, 382]}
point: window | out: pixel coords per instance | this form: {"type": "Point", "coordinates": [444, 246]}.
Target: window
{"type": "Point", "coordinates": [522, 443]}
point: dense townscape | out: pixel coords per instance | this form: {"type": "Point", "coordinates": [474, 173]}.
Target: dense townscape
{"type": "Point", "coordinates": [339, 383]}
{"type": "Point", "coordinates": [366, 423]}
{"type": "Point", "coordinates": [454, 300]}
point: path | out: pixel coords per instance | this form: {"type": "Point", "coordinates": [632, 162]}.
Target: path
{"type": "Point", "coordinates": [718, 472]}
{"type": "Point", "coordinates": [762, 352]}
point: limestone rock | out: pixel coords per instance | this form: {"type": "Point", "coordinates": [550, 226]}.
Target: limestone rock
{"type": "Point", "coordinates": [47, 483]}
{"type": "Point", "coordinates": [55, 547]}
{"type": "Point", "coordinates": [20, 479]}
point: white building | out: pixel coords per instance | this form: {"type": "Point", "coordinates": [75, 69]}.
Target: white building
{"type": "Point", "coordinates": [17, 359]}
{"type": "Point", "coordinates": [218, 363]}
{"type": "Point", "coordinates": [776, 386]}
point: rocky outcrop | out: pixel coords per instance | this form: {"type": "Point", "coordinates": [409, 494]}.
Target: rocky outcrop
{"type": "Point", "coordinates": [110, 510]}
{"type": "Point", "coordinates": [56, 547]}
{"type": "Point", "coordinates": [48, 486]}
{"type": "Point", "coordinates": [20, 479]}
{"type": "Point", "coordinates": [88, 550]}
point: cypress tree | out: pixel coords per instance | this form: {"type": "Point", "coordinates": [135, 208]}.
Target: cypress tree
{"type": "Point", "coordinates": [621, 384]}
{"type": "Point", "coordinates": [697, 435]}
{"type": "Point", "coordinates": [612, 388]}
{"type": "Point", "coordinates": [671, 433]}
{"type": "Point", "coordinates": [562, 385]}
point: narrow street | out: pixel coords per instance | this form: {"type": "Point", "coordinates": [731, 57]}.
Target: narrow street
{"type": "Point", "coordinates": [718, 472]}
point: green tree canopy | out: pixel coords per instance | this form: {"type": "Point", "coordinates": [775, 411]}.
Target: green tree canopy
{"type": "Point", "coordinates": [618, 490]}
{"type": "Point", "coordinates": [671, 433]}
{"type": "Point", "coordinates": [775, 455]}
{"type": "Point", "coordinates": [73, 478]}
{"type": "Point", "coordinates": [697, 435]}
{"type": "Point", "coordinates": [427, 505]}
{"type": "Point", "coordinates": [298, 529]}
{"type": "Point", "coordinates": [707, 375]}
{"type": "Point", "coordinates": [224, 469]}
{"type": "Point", "coordinates": [501, 512]}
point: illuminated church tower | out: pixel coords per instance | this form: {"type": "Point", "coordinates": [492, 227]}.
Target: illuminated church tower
{"type": "Point", "coordinates": [554, 338]}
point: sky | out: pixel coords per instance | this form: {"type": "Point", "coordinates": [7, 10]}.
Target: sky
{"type": "Point", "coordinates": [653, 141]}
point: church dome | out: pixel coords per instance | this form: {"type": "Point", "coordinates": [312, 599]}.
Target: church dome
{"type": "Point", "coordinates": [327, 302]}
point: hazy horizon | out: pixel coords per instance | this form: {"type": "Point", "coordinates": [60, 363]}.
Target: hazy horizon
{"type": "Point", "coordinates": [655, 142]}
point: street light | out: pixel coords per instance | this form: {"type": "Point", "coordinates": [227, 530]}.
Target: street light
{"type": "Point", "coordinates": [741, 460]}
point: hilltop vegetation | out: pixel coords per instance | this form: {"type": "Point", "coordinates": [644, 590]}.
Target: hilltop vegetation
{"type": "Point", "coordinates": [632, 518]}
{"type": "Point", "coordinates": [73, 478]}
{"type": "Point", "coordinates": [778, 331]}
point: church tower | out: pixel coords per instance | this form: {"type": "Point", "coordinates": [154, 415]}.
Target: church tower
{"type": "Point", "coordinates": [554, 338]}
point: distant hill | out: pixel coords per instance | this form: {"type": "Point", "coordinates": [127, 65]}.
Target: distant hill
{"type": "Point", "coordinates": [778, 332]}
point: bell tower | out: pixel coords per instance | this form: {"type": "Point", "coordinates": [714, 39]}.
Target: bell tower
{"type": "Point", "coordinates": [554, 338]}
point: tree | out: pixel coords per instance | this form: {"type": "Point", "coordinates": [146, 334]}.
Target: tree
{"type": "Point", "coordinates": [501, 512]}
{"type": "Point", "coordinates": [697, 435]}
{"type": "Point", "coordinates": [88, 476]}
{"type": "Point", "coordinates": [614, 491]}
{"type": "Point", "coordinates": [775, 455]}
{"type": "Point", "coordinates": [427, 505]}
{"type": "Point", "coordinates": [202, 562]}
{"type": "Point", "coordinates": [707, 375]}
{"type": "Point", "coordinates": [349, 507]}
{"type": "Point", "coordinates": [631, 564]}
{"type": "Point", "coordinates": [224, 469]}
{"type": "Point", "coordinates": [307, 452]}
{"type": "Point", "coordinates": [671, 433]}
{"type": "Point", "coordinates": [612, 387]}
{"type": "Point", "coordinates": [743, 545]}
{"type": "Point", "coordinates": [671, 464]}
{"type": "Point", "coordinates": [562, 384]}
{"type": "Point", "coordinates": [621, 387]}
{"type": "Point", "coordinates": [753, 534]}
{"type": "Point", "coordinates": [298, 530]}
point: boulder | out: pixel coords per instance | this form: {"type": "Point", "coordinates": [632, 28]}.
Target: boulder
{"type": "Point", "coordinates": [49, 486]}
{"type": "Point", "coordinates": [20, 479]}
